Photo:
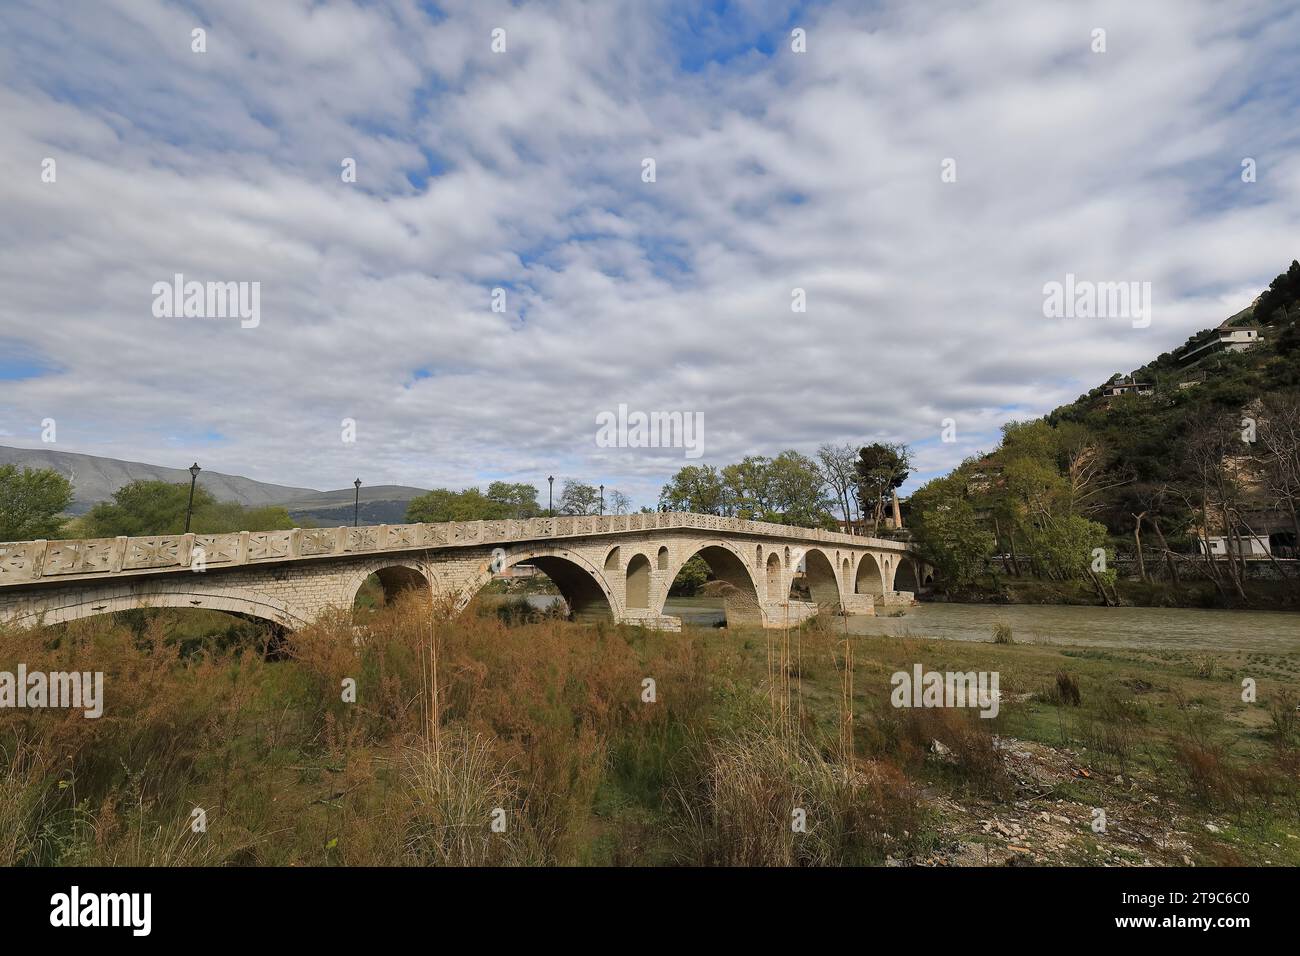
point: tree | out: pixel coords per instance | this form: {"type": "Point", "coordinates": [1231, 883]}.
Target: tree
{"type": "Point", "coordinates": [226, 516]}
{"type": "Point", "coordinates": [519, 499]}
{"type": "Point", "coordinates": [840, 474]}
{"type": "Point", "coordinates": [881, 469]}
{"type": "Point", "coordinates": [748, 485]}
{"type": "Point", "coordinates": [144, 508]}
{"type": "Point", "coordinates": [952, 539]}
{"type": "Point", "coordinates": [1282, 293]}
{"type": "Point", "coordinates": [690, 578]}
{"type": "Point", "coordinates": [696, 488]}
{"type": "Point", "coordinates": [1067, 546]}
{"type": "Point", "coordinates": [617, 503]}
{"type": "Point", "coordinates": [579, 498]}
{"type": "Point", "coordinates": [1279, 443]}
{"type": "Point", "coordinates": [31, 502]}
{"type": "Point", "coordinates": [502, 500]}
{"type": "Point", "coordinates": [443, 504]}
{"type": "Point", "coordinates": [1214, 489]}
{"type": "Point", "coordinates": [798, 491]}
{"type": "Point", "coordinates": [788, 488]}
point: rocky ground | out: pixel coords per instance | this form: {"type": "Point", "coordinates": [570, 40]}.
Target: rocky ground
{"type": "Point", "coordinates": [1052, 819]}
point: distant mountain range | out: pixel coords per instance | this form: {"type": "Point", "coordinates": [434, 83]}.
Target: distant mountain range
{"type": "Point", "coordinates": [94, 479]}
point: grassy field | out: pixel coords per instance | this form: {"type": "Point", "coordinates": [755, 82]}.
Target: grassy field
{"type": "Point", "coordinates": [545, 747]}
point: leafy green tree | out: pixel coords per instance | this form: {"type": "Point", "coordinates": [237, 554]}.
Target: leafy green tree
{"type": "Point", "coordinates": [31, 503]}
{"type": "Point", "coordinates": [579, 498]}
{"type": "Point", "coordinates": [789, 488]}
{"type": "Point", "coordinates": [881, 469]}
{"type": "Point", "coordinates": [1066, 547]}
{"type": "Point", "coordinates": [1283, 292]}
{"type": "Point", "coordinates": [690, 578]}
{"type": "Point", "coordinates": [520, 499]}
{"type": "Point", "coordinates": [748, 485]}
{"type": "Point", "coordinates": [443, 504]}
{"type": "Point", "coordinates": [226, 516]}
{"type": "Point", "coordinates": [798, 492]}
{"type": "Point", "coordinates": [696, 488]}
{"type": "Point", "coordinates": [954, 540]}
{"type": "Point", "coordinates": [158, 507]}
{"type": "Point", "coordinates": [1288, 340]}
{"type": "Point", "coordinates": [145, 508]}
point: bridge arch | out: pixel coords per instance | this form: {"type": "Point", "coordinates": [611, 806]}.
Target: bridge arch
{"type": "Point", "coordinates": [907, 575]}
{"type": "Point", "coordinates": [638, 582]}
{"type": "Point", "coordinates": [775, 578]}
{"type": "Point", "coordinates": [241, 601]}
{"type": "Point", "coordinates": [397, 578]}
{"type": "Point", "coordinates": [584, 587]}
{"type": "Point", "coordinates": [870, 578]}
{"type": "Point", "coordinates": [823, 582]}
{"type": "Point", "coordinates": [738, 582]}
{"type": "Point", "coordinates": [396, 575]}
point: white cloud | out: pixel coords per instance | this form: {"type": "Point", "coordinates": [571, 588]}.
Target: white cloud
{"type": "Point", "coordinates": [818, 171]}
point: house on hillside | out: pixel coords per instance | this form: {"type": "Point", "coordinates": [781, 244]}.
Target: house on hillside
{"type": "Point", "coordinates": [1121, 385]}
{"type": "Point", "coordinates": [1226, 338]}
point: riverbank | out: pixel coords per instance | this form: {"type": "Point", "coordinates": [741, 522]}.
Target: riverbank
{"type": "Point", "coordinates": [617, 745]}
{"type": "Point", "coordinates": [1181, 630]}
{"type": "Point", "coordinates": [1278, 595]}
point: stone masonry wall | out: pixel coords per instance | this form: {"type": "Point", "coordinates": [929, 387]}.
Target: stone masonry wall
{"type": "Point", "coordinates": [621, 566]}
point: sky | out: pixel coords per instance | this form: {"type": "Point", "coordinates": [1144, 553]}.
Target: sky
{"type": "Point", "coordinates": [919, 171]}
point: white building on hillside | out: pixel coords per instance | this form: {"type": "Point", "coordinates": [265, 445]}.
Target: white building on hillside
{"type": "Point", "coordinates": [1225, 338]}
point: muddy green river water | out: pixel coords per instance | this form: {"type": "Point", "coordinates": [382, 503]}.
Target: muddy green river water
{"type": "Point", "coordinates": [1174, 628]}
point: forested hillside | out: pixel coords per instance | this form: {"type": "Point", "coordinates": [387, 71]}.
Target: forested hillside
{"type": "Point", "coordinates": [1205, 457]}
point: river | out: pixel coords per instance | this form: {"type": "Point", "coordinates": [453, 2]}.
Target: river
{"type": "Point", "coordinates": [1152, 627]}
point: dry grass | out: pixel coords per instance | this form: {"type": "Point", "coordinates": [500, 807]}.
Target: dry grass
{"type": "Point", "coordinates": [531, 721]}
{"type": "Point", "coordinates": [540, 725]}
{"type": "Point", "coordinates": [762, 799]}
{"type": "Point", "coordinates": [1065, 692]}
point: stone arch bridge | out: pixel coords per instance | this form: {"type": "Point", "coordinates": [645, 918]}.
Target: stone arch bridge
{"type": "Point", "coordinates": [616, 567]}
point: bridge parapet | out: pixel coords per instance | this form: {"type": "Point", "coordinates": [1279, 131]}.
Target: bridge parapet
{"type": "Point", "coordinates": [22, 562]}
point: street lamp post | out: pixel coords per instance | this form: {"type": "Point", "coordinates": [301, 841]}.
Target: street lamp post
{"type": "Point", "coordinates": [550, 496]}
{"type": "Point", "coordinates": [602, 499]}
{"type": "Point", "coordinates": [189, 508]}
{"type": "Point", "coordinates": [356, 503]}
